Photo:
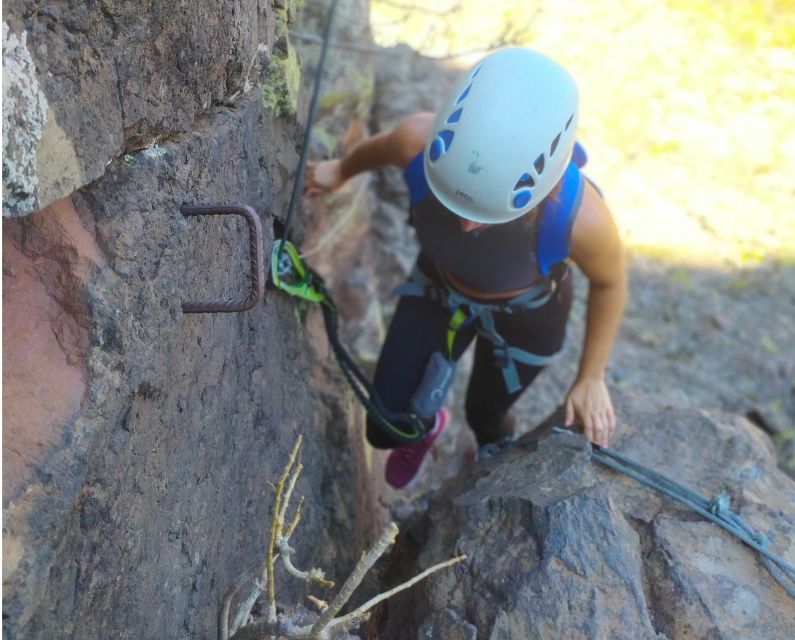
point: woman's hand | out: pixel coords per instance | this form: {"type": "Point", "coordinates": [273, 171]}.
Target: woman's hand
{"type": "Point", "coordinates": [588, 401]}
{"type": "Point", "coordinates": [322, 177]}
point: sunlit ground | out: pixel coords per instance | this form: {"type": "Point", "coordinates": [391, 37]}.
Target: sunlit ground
{"type": "Point", "coordinates": [687, 108]}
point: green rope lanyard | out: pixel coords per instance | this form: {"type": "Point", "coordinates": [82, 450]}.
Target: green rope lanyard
{"type": "Point", "coordinates": [290, 274]}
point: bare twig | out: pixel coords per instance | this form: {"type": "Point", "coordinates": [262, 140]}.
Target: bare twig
{"type": "Point", "coordinates": [226, 603]}
{"type": "Point", "coordinates": [366, 562]}
{"type": "Point", "coordinates": [327, 626]}
{"type": "Point", "coordinates": [313, 575]}
{"type": "Point", "coordinates": [288, 493]}
{"type": "Point", "coordinates": [355, 618]}
{"type": "Point", "coordinates": [320, 604]}
{"type": "Point", "coordinates": [275, 532]}
{"type": "Point", "coordinates": [296, 519]}
{"type": "Point", "coordinates": [282, 629]}
{"type": "Point", "coordinates": [282, 544]}
{"type": "Point", "coordinates": [245, 608]}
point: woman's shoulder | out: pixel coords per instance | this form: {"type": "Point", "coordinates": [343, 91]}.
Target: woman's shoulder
{"type": "Point", "coordinates": [408, 137]}
{"type": "Point", "coordinates": [593, 218]}
{"type": "Point", "coordinates": [595, 243]}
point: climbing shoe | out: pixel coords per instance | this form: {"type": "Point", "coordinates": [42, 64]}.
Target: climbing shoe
{"type": "Point", "coordinates": [403, 463]}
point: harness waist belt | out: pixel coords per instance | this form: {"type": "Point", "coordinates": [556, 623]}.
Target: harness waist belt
{"type": "Point", "coordinates": [420, 285]}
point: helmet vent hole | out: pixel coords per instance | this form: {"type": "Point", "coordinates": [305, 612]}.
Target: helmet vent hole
{"type": "Point", "coordinates": [476, 72]}
{"type": "Point", "coordinates": [464, 94]}
{"type": "Point", "coordinates": [436, 149]}
{"type": "Point", "coordinates": [440, 144]}
{"type": "Point", "coordinates": [521, 198]}
{"type": "Point", "coordinates": [539, 164]}
{"type": "Point", "coordinates": [455, 116]}
{"type": "Point", "coordinates": [525, 181]}
{"type": "Point", "coordinates": [446, 137]}
{"type": "Point", "coordinates": [554, 145]}
{"type": "Point", "coordinates": [568, 122]}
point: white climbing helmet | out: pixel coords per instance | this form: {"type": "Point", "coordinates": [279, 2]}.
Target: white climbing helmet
{"type": "Point", "coordinates": [504, 137]}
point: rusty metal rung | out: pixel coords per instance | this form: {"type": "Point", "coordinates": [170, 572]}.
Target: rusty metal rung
{"type": "Point", "coordinates": [255, 251]}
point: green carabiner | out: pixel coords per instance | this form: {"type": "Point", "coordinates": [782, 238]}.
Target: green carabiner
{"type": "Point", "coordinates": [290, 274]}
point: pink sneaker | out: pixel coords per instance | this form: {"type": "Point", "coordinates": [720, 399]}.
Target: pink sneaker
{"type": "Point", "coordinates": [404, 463]}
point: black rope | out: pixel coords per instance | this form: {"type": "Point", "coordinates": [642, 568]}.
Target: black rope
{"type": "Point", "coordinates": [299, 176]}
{"type": "Point", "coordinates": [386, 419]}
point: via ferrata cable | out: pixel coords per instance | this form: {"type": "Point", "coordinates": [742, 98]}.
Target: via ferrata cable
{"type": "Point", "coordinates": [716, 509]}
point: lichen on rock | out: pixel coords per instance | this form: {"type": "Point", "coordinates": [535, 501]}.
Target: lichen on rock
{"type": "Point", "coordinates": [24, 116]}
{"type": "Point", "coordinates": [282, 80]}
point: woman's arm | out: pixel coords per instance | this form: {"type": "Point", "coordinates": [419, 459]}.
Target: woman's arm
{"type": "Point", "coordinates": [597, 250]}
{"type": "Point", "coordinates": [396, 147]}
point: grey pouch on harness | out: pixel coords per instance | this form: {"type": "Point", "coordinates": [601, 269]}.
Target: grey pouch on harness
{"type": "Point", "coordinates": [432, 390]}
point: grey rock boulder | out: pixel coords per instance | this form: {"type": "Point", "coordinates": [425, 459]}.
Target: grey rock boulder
{"type": "Point", "coordinates": [559, 547]}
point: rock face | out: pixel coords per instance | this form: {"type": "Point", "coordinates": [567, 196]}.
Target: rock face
{"type": "Point", "coordinates": [429, 80]}
{"type": "Point", "coordinates": [561, 548]}
{"type": "Point", "coordinates": [84, 83]}
{"type": "Point", "coordinates": [138, 441]}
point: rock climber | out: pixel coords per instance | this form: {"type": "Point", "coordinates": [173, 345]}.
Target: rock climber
{"type": "Point", "coordinates": [500, 208]}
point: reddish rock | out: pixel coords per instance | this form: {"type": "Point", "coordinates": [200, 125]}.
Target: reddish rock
{"type": "Point", "coordinates": [46, 262]}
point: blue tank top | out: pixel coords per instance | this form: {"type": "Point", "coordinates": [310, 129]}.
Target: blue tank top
{"type": "Point", "coordinates": [501, 257]}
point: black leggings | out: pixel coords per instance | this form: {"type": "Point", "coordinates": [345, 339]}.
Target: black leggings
{"type": "Point", "coordinates": [419, 328]}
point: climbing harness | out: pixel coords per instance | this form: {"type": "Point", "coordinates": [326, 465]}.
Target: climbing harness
{"type": "Point", "coordinates": [465, 310]}
{"type": "Point", "coordinates": [715, 509]}
{"type": "Point", "coordinates": [552, 249]}
{"type": "Point", "coordinates": [291, 275]}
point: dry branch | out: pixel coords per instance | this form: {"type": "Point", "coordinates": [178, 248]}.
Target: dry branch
{"type": "Point", "coordinates": [355, 618]}
{"type": "Point", "coordinates": [226, 603]}
{"type": "Point", "coordinates": [275, 532]}
{"type": "Point", "coordinates": [366, 562]}
{"type": "Point", "coordinates": [327, 626]}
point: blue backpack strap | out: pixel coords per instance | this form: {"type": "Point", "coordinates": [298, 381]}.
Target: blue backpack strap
{"type": "Point", "coordinates": [414, 173]}
{"type": "Point", "coordinates": [580, 158]}
{"type": "Point", "coordinates": [578, 155]}
{"type": "Point", "coordinates": [557, 219]}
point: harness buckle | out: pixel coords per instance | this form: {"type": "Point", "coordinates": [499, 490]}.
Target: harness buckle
{"type": "Point", "coordinates": [501, 356]}
{"type": "Point", "coordinates": [434, 293]}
